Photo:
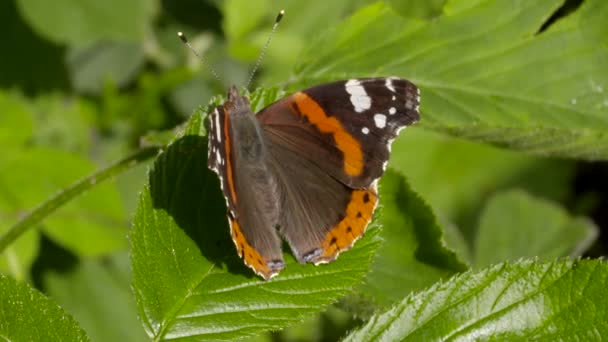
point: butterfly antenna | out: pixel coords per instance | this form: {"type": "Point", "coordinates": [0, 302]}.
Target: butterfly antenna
{"type": "Point", "coordinates": [265, 47]}
{"type": "Point", "coordinates": [184, 40]}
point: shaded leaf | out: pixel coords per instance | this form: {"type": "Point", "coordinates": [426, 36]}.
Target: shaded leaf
{"type": "Point", "coordinates": [21, 65]}
{"type": "Point", "coordinates": [522, 301]}
{"type": "Point", "coordinates": [515, 225]}
{"type": "Point", "coordinates": [27, 315]}
{"type": "Point", "coordinates": [413, 254]}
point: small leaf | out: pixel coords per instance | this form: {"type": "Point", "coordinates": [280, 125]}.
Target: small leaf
{"type": "Point", "coordinates": [117, 62]}
{"type": "Point", "coordinates": [17, 258]}
{"type": "Point", "coordinates": [63, 122]}
{"type": "Point", "coordinates": [515, 225]}
{"type": "Point", "coordinates": [27, 315]}
{"type": "Point", "coordinates": [413, 254]}
{"type": "Point", "coordinates": [456, 176]}
{"type": "Point", "coordinates": [85, 21]}
{"type": "Point", "coordinates": [188, 279]}
{"type": "Point", "coordinates": [522, 301]}
{"type": "Point", "coordinates": [16, 121]}
{"type": "Point", "coordinates": [94, 224]}
{"type": "Point", "coordinates": [242, 16]}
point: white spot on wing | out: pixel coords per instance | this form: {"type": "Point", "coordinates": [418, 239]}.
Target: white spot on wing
{"type": "Point", "coordinates": [380, 120]}
{"type": "Point", "coordinates": [218, 134]}
{"type": "Point", "coordinates": [392, 111]}
{"type": "Point", "coordinates": [218, 156]}
{"type": "Point", "coordinates": [358, 97]}
{"type": "Point", "coordinates": [409, 104]}
{"type": "Point", "coordinates": [389, 84]}
{"type": "Point", "coordinates": [365, 130]}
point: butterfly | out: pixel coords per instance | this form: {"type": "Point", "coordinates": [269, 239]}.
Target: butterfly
{"type": "Point", "coordinates": [305, 169]}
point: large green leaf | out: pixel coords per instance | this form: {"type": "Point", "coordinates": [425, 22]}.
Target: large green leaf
{"type": "Point", "coordinates": [86, 21]}
{"type": "Point", "coordinates": [522, 301]}
{"type": "Point", "coordinates": [28, 315]}
{"type": "Point", "coordinates": [485, 72]}
{"type": "Point", "coordinates": [413, 254]}
{"type": "Point", "coordinates": [515, 225]}
{"type": "Point", "coordinates": [188, 279]}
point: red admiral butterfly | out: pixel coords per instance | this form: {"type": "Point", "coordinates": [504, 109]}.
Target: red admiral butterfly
{"type": "Point", "coordinates": [306, 167]}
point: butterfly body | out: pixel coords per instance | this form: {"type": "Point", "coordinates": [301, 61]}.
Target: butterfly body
{"type": "Point", "coordinates": [305, 169]}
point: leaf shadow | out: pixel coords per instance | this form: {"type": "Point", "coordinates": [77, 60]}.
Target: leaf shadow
{"type": "Point", "coordinates": [183, 186]}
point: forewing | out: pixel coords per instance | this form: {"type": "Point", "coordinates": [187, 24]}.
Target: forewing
{"type": "Point", "coordinates": [253, 232]}
{"type": "Point", "coordinates": [345, 127]}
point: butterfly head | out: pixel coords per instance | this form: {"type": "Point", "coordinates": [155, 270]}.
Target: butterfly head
{"type": "Point", "coordinates": [237, 105]}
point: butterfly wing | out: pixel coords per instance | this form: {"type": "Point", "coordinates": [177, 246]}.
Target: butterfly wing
{"type": "Point", "coordinates": [328, 145]}
{"type": "Point", "coordinates": [345, 127]}
{"type": "Point", "coordinates": [252, 217]}
{"type": "Point", "coordinates": [320, 216]}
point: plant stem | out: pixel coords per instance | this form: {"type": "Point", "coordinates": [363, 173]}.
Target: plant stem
{"type": "Point", "coordinates": [69, 193]}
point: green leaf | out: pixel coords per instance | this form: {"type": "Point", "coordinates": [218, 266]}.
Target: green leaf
{"type": "Point", "coordinates": [117, 62]}
{"type": "Point", "coordinates": [98, 294]}
{"type": "Point", "coordinates": [95, 224]}
{"type": "Point", "coordinates": [27, 315]}
{"type": "Point", "coordinates": [85, 21]}
{"type": "Point", "coordinates": [248, 25]}
{"type": "Point", "coordinates": [515, 224]}
{"type": "Point", "coordinates": [486, 72]}
{"type": "Point", "coordinates": [63, 122]}
{"type": "Point", "coordinates": [456, 177]}
{"type": "Point", "coordinates": [522, 301]}
{"type": "Point", "coordinates": [418, 9]}
{"type": "Point", "coordinates": [413, 254]}
{"type": "Point", "coordinates": [242, 16]}
{"type": "Point", "coordinates": [16, 122]}
{"type": "Point", "coordinates": [17, 258]}
{"type": "Point", "coordinates": [188, 279]}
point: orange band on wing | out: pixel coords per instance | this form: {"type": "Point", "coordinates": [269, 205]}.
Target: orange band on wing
{"type": "Point", "coordinates": [351, 149]}
{"type": "Point", "coordinates": [358, 215]}
{"type": "Point", "coordinates": [228, 160]}
{"type": "Point", "coordinates": [252, 258]}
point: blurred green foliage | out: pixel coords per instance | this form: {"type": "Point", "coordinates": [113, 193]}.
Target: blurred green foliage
{"type": "Point", "coordinates": [86, 83]}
